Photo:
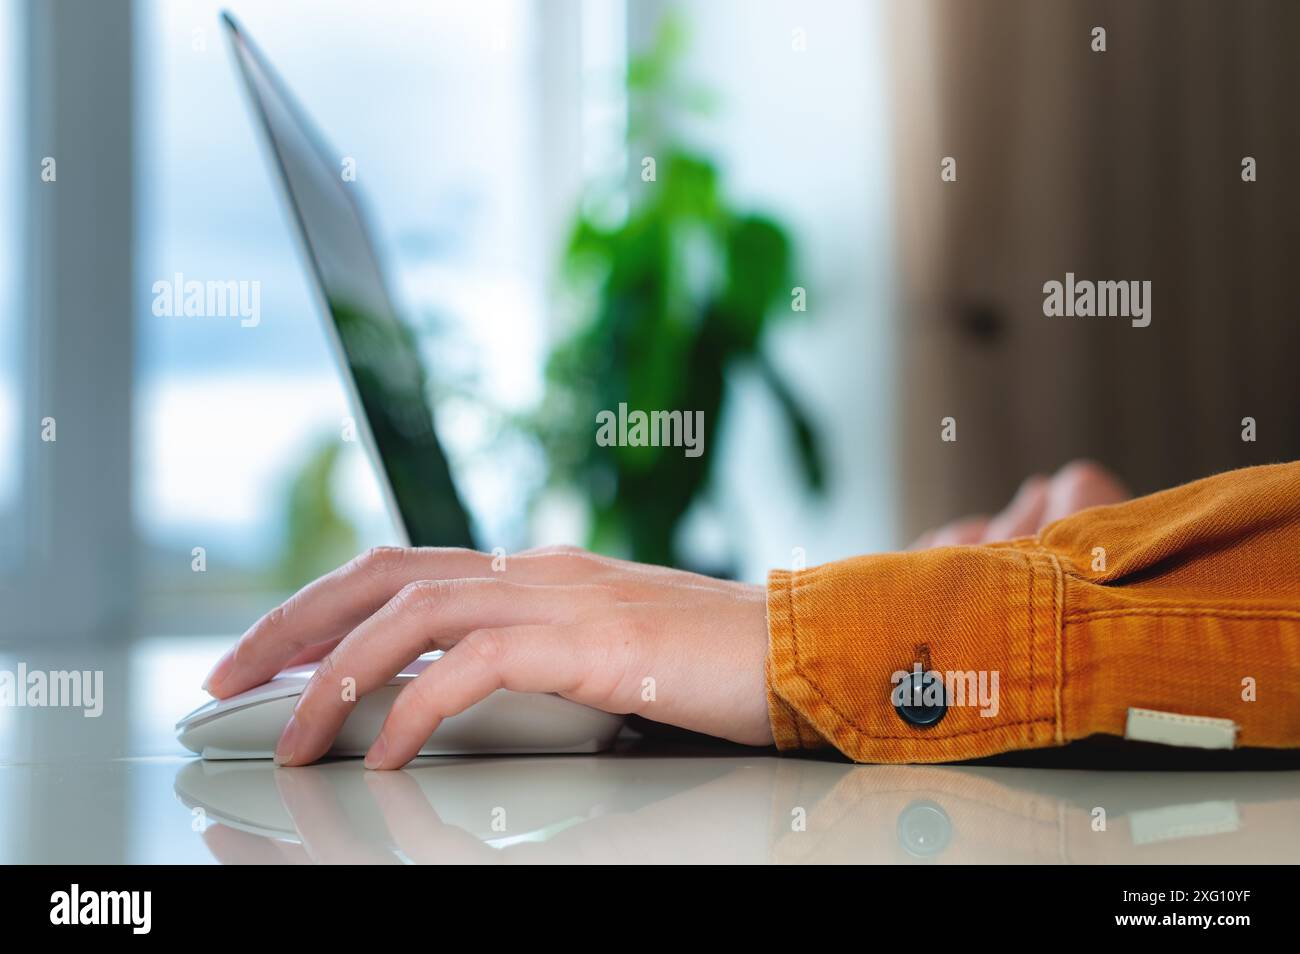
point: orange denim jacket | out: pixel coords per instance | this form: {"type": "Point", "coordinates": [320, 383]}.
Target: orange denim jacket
{"type": "Point", "coordinates": [1186, 602]}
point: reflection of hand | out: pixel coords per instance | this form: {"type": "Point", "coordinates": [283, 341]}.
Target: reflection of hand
{"type": "Point", "coordinates": [624, 637]}
{"type": "Point", "coordinates": [1040, 500]}
{"type": "Point", "coordinates": [232, 846]}
{"type": "Point", "coordinates": [743, 811]}
{"type": "Point", "coordinates": [328, 837]}
{"type": "Point", "coordinates": [415, 827]}
{"type": "Point", "coordinates": [721, 811]}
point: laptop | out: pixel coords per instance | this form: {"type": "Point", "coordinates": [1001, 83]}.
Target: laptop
{"type": "Point", "coordinates": [386, 383]}
{"type": "Point", "coordinates": [376, 351]}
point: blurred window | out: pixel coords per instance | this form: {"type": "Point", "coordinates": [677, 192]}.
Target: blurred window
{"type": "Point", "coordinates": [11, 307]}
{"type": "Point", "coordinates": [440, 110]}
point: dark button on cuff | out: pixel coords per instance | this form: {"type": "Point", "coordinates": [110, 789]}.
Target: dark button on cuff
{"type": "Point", "coordinates": [919, 698]}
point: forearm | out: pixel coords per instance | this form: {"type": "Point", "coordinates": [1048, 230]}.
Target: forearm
{"type": "Point", "coordinates": [1186, 602]}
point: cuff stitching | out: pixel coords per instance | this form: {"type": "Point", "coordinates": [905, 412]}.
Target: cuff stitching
{"type": "Point", "coordinates": [852, 723]}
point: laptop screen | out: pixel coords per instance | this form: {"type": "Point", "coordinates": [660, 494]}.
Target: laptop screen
{"type": "Point", "coordinates": [379, 351]}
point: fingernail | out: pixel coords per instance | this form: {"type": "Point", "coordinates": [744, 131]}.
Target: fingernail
{"type": "Point", "coordinates": [219, 672]}
{"type": "Point", "coordinates": [375, 757]}
{"type": "Point", "coordinates": [284, 749]}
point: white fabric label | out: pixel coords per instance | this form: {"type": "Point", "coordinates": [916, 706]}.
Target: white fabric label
{"type": "Point", "coordinates": [1171, 728]}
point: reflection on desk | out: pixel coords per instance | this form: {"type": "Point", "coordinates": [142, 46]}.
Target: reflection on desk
{"type": "Point", "coordinates": [629, 808]}
{"type": "Point", "coordinates": [118, 788]}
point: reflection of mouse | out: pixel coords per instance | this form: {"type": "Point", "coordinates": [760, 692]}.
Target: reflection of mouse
{"type": "Point", "coordinates": [248, 725]}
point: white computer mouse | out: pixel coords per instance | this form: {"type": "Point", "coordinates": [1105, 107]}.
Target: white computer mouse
{"type": "Point", "coordinates": [248, 725]}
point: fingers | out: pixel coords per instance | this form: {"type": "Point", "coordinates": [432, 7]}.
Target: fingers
{"type": "Point", "coordinates": [520, 658]}
{"type": "Point", "coordinates": [431, 614]}
{"type": "Point", "coordinates": [1080, 485]}
{"type": "Point", "coordinates": [309, 655]}
{"type": "Point", "coordinates": [311, 622]}
{"type": "Point", "coordinates": [1023, 515]}
{"type": "Point", "coordinates": [323, 612]}
{"type": "Point", "coordinates": [1038, 502]}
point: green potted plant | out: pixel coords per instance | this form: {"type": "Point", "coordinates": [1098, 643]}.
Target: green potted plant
{"type": "Point", "coordinates": [672, 294]}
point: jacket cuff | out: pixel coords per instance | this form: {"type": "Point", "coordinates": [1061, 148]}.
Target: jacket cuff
{"type": "Point", "coordinates": [987, 620]}
{"type": "Point", "coordinates": [789, 728]}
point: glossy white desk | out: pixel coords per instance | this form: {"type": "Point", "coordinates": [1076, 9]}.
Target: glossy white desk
{"type": "Point", "coordinates": [117, 788]}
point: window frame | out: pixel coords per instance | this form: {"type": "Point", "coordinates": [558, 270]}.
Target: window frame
{"type": "Point", "coordinates": [74, 572]}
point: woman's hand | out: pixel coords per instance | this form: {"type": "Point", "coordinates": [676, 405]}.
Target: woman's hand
{"type": "Point", "coordinates": [624, 637]}
{"type": "Point", "coordinates": [1039, 501]}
